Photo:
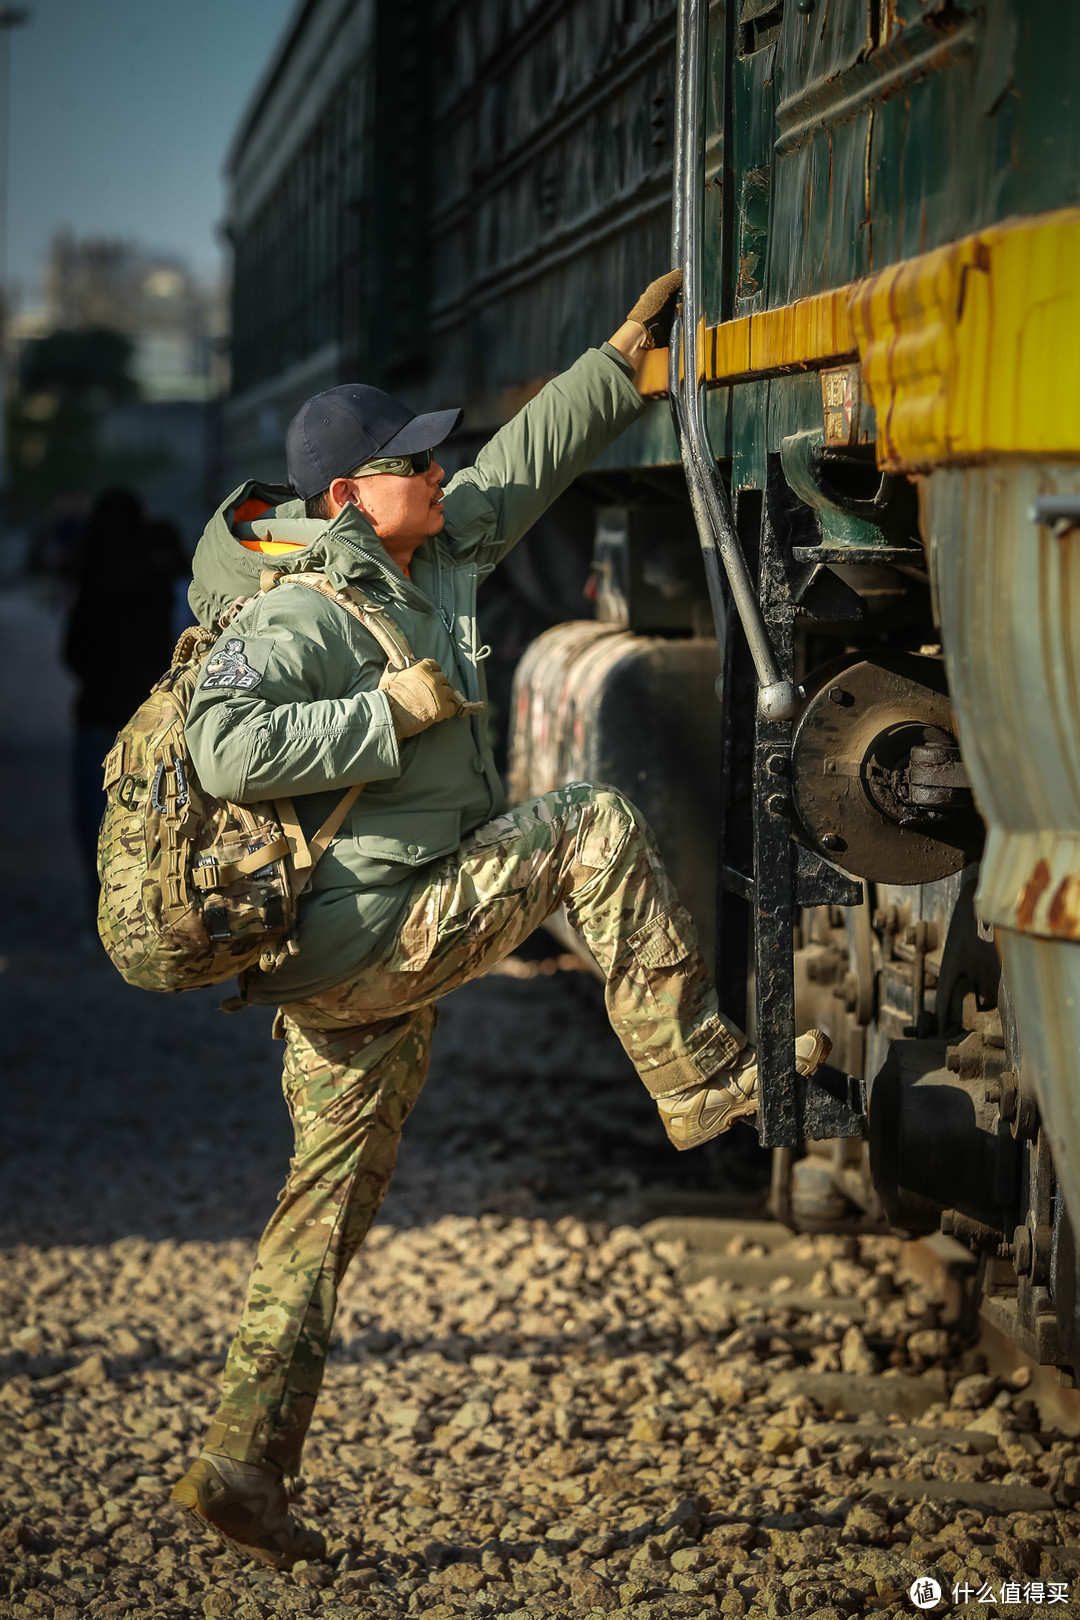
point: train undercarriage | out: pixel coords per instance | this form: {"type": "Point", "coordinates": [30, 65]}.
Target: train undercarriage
{"type": "Point", "coordinates": [847, 865]}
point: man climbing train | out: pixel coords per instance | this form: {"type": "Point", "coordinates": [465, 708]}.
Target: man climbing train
{"type": "Point", "coordinates": [429, 880]}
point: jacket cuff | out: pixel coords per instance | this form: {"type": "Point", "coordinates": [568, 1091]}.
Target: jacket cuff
{"type": "Point", "coordinates": [620, 359]}
{"type": "Point", "coordinates": [388, 744]}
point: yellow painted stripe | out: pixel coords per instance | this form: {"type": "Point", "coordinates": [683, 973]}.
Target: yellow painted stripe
{"type": "Point", "coordinates": [811, 332]}
{"type": "Point", "coordinates": [973, 351]}
{"type": "Point", "coordinates": [968, 352]}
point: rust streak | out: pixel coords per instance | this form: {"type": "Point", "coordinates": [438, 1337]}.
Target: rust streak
{"type": "Point", "coordinates": [1032, 892]}
{"type": "Point", "coordinates": [894, 392]}
{"type": "Point", "coordinates": [1064, 914]}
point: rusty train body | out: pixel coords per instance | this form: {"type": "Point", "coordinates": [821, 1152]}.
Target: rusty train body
{"type": "Point", "coordinates": [852, 512]}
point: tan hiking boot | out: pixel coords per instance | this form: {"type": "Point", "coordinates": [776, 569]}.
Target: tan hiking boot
{"type": "Point", "coordinates": [247, 1505]}
{"type": "Point", "coordinates": [696, 1116]}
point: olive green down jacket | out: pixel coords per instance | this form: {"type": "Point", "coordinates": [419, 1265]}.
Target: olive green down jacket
{"type": "Point", "coordinates": [294, 710]}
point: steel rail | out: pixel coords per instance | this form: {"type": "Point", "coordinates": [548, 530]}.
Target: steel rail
{"type": "Point", "coordinates": [777, 699]}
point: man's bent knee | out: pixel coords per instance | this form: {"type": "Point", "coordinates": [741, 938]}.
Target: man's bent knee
{"type": "Point", "coordinates": [608, 821]}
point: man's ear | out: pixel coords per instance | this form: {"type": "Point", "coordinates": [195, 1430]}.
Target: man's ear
{"type": "Point", "coordinates": [344, 492]}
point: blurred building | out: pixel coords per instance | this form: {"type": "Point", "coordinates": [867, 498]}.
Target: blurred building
{"type": "Point", "coordinates": [176, 323]}
{"type": "Point", "coordinates": [304, 218]}
{"type": "Point", "coordinates": [72, 433]}
{"type": "Point", "coordinates": [448, 198]}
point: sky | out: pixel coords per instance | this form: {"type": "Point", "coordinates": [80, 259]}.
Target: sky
{"type": "Point", "coordinates": [122, 112]}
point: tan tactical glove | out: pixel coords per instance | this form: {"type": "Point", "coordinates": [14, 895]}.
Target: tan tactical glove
{"type": "Point", "coordinates": [656, 308]}
{"type": "Point", "coordinates": [420, 695]}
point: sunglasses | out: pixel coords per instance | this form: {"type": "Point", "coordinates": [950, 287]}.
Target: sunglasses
{"type": "Point", "coordinates": [399, 466]}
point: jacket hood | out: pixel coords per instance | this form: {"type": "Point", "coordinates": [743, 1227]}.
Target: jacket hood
{"type": "Point", "coordinates": [346, 549]}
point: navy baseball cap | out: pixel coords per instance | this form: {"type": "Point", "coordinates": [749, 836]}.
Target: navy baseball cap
{"type": "Point", "coordinates": [336, 432]}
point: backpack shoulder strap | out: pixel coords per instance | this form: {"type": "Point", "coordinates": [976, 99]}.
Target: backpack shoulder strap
{"type": "Point", "coordinates": [306, 856]}
{"type": "Point", "coordinates": [372, 615]}
{"type": "Point", "coordinates": [376, 620]}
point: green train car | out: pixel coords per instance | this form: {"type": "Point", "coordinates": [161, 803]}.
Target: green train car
{"type": "Point", "coordinates": [852, 510]}
{"type": "Point", "coordinates": [883, 298]}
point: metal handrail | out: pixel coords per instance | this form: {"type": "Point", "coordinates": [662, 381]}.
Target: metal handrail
{"type": "Point", "coordinates": [777, 699]}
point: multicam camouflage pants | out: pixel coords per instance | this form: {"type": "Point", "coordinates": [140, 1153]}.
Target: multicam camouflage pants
{"type": "Point", "coordinates": [357, 1056]}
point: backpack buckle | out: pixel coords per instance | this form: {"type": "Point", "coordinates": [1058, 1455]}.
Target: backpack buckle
{"type": "Point", "coordinates": [217, 923]}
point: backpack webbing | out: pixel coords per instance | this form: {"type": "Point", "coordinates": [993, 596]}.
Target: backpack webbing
{"type": "Point", "coordinates": [306, 854]}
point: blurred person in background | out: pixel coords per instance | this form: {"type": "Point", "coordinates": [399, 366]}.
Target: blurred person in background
{"type": "Point", "coordinates": [118, 642]}
{"type": "Point", "coordinates": [56, 546]}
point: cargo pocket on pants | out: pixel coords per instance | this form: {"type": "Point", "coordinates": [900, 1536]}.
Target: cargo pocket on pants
{"type": "Point", "coordinates": [598, 842]}
{"type": "Point", "coordinates": [665, 940]}
{"type": "Point", "coordinates": [419, 932]}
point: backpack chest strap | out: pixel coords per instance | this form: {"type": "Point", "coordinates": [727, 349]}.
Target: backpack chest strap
{"type": "Point", "coordinates": [216, 874]}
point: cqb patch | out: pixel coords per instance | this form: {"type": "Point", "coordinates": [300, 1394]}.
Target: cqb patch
{"type": "Point", "coordinates": [229, 667]}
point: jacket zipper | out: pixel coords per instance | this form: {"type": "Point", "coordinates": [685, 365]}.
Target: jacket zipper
{"type": "Point", "coordinates": [446, 614]}
{"type": "Point", "coordinates": [440, 599]}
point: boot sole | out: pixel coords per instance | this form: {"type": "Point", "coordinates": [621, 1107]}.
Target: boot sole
{"type": "Point", "coordinates": [733, 1115]}
{"type": "Point", "coordinates": [185, 1499]}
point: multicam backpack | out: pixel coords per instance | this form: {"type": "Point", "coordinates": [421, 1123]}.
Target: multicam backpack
{"type": "Point", "coordinates": [196, 889]}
